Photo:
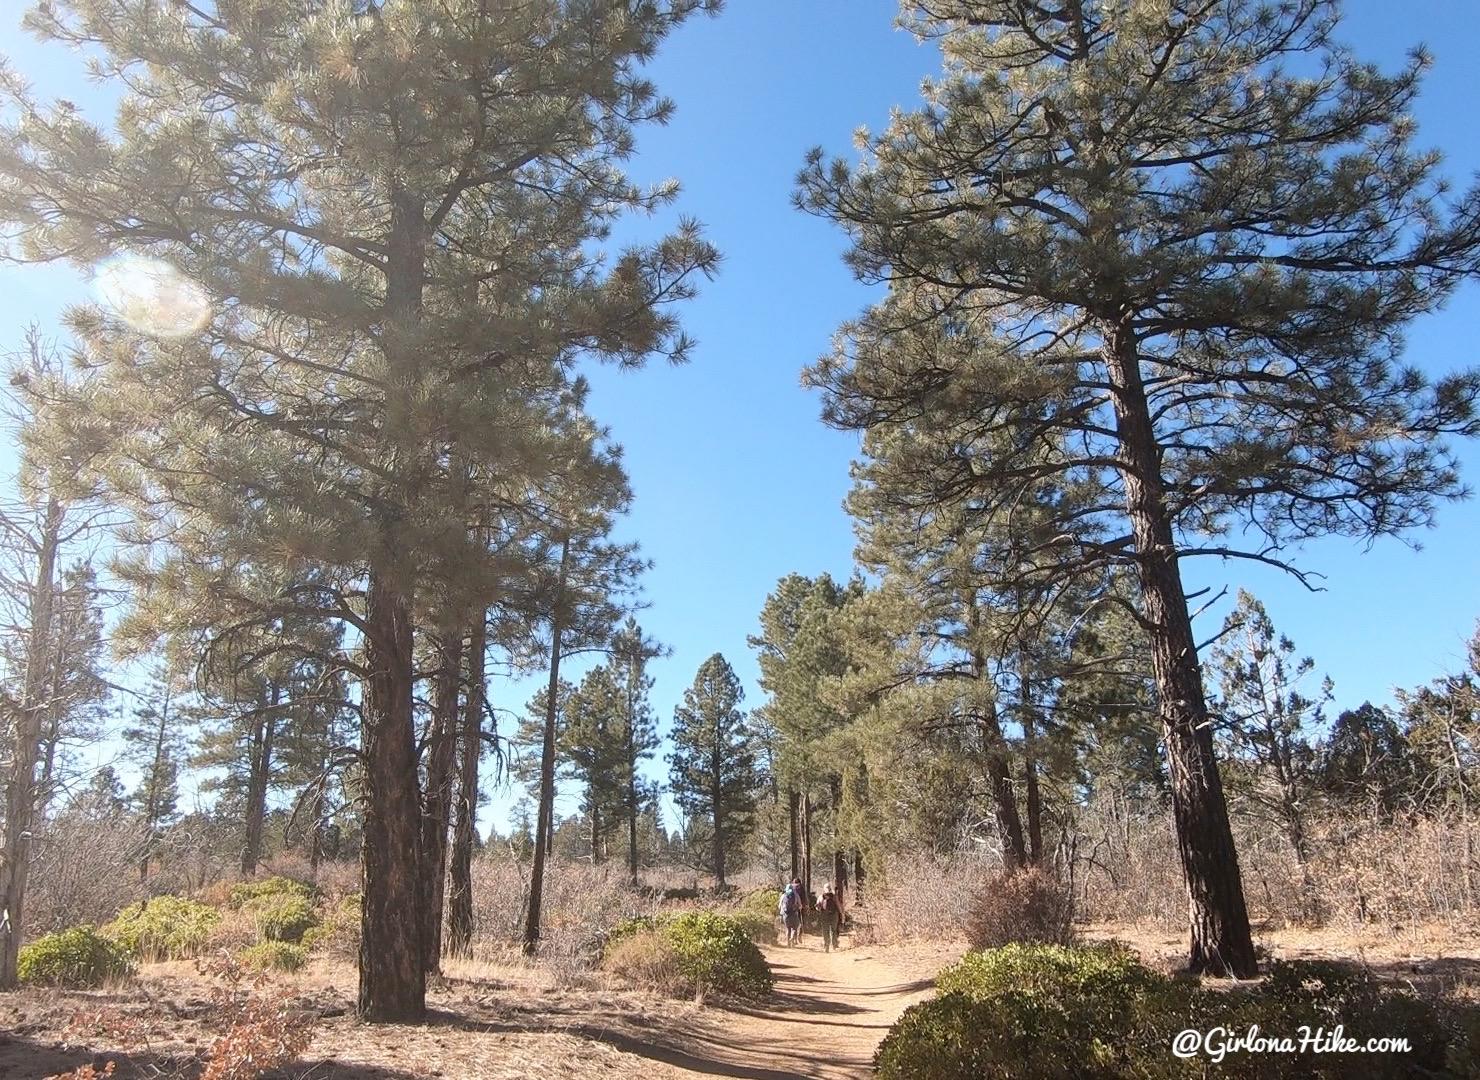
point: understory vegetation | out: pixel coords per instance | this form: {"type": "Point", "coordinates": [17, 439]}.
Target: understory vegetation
{"type": "Point", "coordinates": [1043, 1012]}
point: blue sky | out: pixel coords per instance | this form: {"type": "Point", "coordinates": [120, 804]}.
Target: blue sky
{"type": "Point", "coordinates": [737, 482]}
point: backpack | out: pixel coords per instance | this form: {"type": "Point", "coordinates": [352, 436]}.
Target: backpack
{"type": "Point", "coordinates": [790, 902]}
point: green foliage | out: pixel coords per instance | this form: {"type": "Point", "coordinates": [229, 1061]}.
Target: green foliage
{"type": "Point", "coordinates": [1319, 994]}
{"type": "Point", "coordinates": [281, 916]}
{"type": "Point", "coordinates": [711, 950]}
{"type": "Point", "coordinates": [339, 932]}
{"type": "Point", "coordinates": [1046, 1012]}
{"type": "Point", "coordinates": [274, 956]}
{"type": "Point", "coordinates": [627, 928]}
{"type": "Point", "coordinates": [716, 952]}
{"type": "Point", "coordinates": [163, 928]}
{"type": "Point", "coordinates": [78, 957]}
{"type": "Point", "coordinates": [274, 886]}
{"type": "Point", "coordinates": [712, 768]}
{"type": "Point", "coordinates": [757, 914]}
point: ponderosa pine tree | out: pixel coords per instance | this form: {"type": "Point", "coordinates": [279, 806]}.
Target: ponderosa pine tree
{"type": "Point", "coordinates": [580, 600]}
{"type": "Point", "coordinates": [269, 692]}
{"type": "Point", "coordinates": [799, 648]}
{"type": "Point", "coordinates": [49, 683]}
{"type": "Point", "coordinates": [155, 743]}
{"type": "Point", "coordinates": [592, 748]}
{"type": "Point", "coordinates": [712, 766]}
{"type": "Point", "coordinates": [1269, 722]}
{"type": "Point", "coordinates": [343, 243]}
{"type": "Point", "coordinates": [1182, 242]}
{"type": "Point", "coordinates": [631, 653]}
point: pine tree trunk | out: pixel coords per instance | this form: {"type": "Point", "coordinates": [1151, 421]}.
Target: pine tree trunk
{"type": "Point", "coordinates": [806, 819]}
{"type": "Point", "coordinates": [153, 810]}
{"type": "Point", "coordinates": [632, 807]}
{"type": "Point", "coordinates": [716, 794]}
{"type": "Point", "coordinates": [20, 795]}
{"type": "Point", "coordinates": [1004, 799]}
{"type": "Point", "coordinates": [1032, 794]}
{"type": "Point", "coordinates": [857, 878]}
{"type": "Point", "coordinates": [840, 858]}
{"type": "Point", "coordinates": [994, 749]}
{"type": "Point", "coordinates": [437, 804]}
{"type": "Point", "coordinates": [460, 896]}
{"type": "Point", "coordinates": [1218, 919]}
{"type": "Point", "coordinates": [793, 800]}
{"type": "Point", "coordinates": [544, 827]}
{"type": "Point", "coordinates": [260, 766]}
{"type": "Point", "coordinates": [595, 836]}
{"type": "Point", "coordinates": [392, 983]}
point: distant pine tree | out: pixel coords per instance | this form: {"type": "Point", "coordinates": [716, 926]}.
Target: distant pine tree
{"type": "Point", "coordinates": [712, 769]}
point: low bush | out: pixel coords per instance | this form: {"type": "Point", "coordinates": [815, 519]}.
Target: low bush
{"type": "Point", "coordinates": [1046, 1012]}
{"type": "Point", "coordinates": [1443, 1035]}
{"type": "Point", "coordinates": [647, 959]}
{"type": "Point", "coordinates": [273, 956]}
{"type": "Point", "coordinates": [637, 924]}
{"type": "Point", "coordinates": [76, 958]}
{"type": "Point", "coordinates": [758, 914]}
{"type": "Point", "coordinates": [163, 928]}
{"type": "Point", "coordinates": [245, 892]}
{"type": "Point", "coordinates": [338, 934]}
{"type": "Point", "coordinates": [1024, 906]}
{"type": "Point", "coordinates": [281, 916]}
{"type": "Point", "coordinates": [717, 954]}
{"type": "Point", "coordinates": [711, 951]}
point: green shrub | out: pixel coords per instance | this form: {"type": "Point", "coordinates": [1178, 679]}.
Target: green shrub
{"type": "Point", "coordinates": [709, 951]}
{"type": "Point", "coordinates": [247, 891]}
{"type": "Point", "coordinates": [717, 954]}
{"type": "Point", "coordinates": [1043, 1012]}
{"type": "Point", "coordinates": [763, 902]}
{"type": "Point", "coordinates": [163, 928]}
{"type": "Point", "coordinates": [274, 956]}
{"type": "Point", "coordinates": [1443, 1036]}
{"type": "Point", "coordinates": [637, 924]}
{"type": "Point", "coordinates": [757, 914]}
{"type": "Point", "coordinates": [78, 957]}
{"type": "Point", "coordinates": [1037, 1011]}
{"type": "Point", "coordinates": [281, 916]}
{"type": "Point", "coordinates": [338, 934]}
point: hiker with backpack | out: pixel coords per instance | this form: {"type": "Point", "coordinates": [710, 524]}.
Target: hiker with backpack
{"type": "Point", "coordinates": [829, 917]}
{"type": "Point", "coordinates": [791, 912]}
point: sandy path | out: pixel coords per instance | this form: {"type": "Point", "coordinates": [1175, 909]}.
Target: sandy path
{"type": "Point", "coordinates": [828, 1014]}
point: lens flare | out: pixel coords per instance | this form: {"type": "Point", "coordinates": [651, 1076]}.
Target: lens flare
{"type": "Point", "coordinates": [151, 296]}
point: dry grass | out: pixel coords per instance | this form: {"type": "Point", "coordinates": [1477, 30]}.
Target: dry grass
{"type": "Point", "coordinates": [580, 904]}
{"type": "Point", "coordinates": [1393, 875]}
{"type": "Point", "coordinates": [646, 961]}
{"type": "Point", "coordinates": [920, 897]}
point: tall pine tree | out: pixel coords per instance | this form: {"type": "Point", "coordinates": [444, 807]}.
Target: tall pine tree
{"type": "Point", "coordinates": [342, 244]}
{"type": "Point", "coordinates": [1181, 241]}
{"type": "Point", "coordinates": [712, 767]}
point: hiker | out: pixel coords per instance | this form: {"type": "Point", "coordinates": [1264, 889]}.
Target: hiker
{"type": "Point", "coordinates": [791, 912]}
{"type": "Point", "coordinates": [829, 917]}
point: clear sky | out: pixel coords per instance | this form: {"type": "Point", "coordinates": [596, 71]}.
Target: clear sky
{"type": "Point", "coordinates": [737, 482]}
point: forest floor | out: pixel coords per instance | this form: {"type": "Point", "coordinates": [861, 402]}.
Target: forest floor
{"type": "Point", "coordinates": [493, 1021]}
{"type": "Point", "coordinates": [490, 1022]}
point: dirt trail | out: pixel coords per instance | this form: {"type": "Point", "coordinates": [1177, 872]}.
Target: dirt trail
{"type": "Point", "coordinates": [828, 1014]}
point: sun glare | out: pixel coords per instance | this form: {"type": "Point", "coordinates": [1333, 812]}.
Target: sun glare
{"type": "Point", "coordinates": [152, 296]}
